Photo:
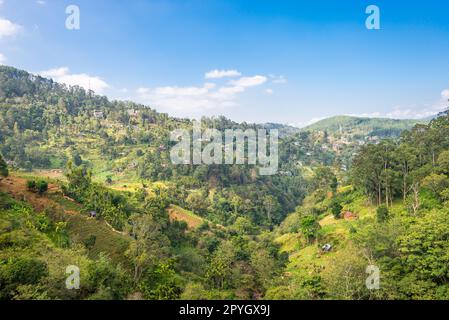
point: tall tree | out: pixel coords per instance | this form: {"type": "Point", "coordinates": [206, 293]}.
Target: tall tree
{"type": "Point", "coordinates": [3, 167]}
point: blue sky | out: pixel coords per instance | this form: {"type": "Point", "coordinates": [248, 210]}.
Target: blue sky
{"type": "Point", "coordinates": [280, 61]}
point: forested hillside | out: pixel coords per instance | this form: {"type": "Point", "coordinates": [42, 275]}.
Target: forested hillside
{"type": "Point", "coordinates": [362, 127]}
{"type": "Point", "coordinates": [392, 213]}
{"type": "Point", "coordinates": [88, 182]}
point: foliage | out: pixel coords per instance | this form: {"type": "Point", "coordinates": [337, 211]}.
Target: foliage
{"type": "Point", "coordinates": [382, 213]}
{"type": "Point", "coordinates": [37, 186]}
{"type": "Point", "coordinates": [3, 167]}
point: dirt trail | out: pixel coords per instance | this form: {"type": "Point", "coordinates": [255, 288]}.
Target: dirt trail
{"type": "Point", "coordinates": [16, 187]}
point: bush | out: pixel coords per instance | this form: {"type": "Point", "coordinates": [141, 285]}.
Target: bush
{"type": "Point", "coordinates": [20, 271]}
{"type": "Point", "coordinates": [31, 185]}
{"type": "Point", "coordinates": [42, 186]}
{"type": "Point", "coordinates": [39, 186]}
{"type": "Point", "coordinates": [382, 214]}
{"type": "Point", "coordinates": [336, 209]}
{"type": "Point", "coordinates": [3, 168]}
{"type": "Point", "coordinates": [90, 241]}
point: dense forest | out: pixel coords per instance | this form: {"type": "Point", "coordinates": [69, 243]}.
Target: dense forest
{"type": "Point", "coordinates": [86, 181]}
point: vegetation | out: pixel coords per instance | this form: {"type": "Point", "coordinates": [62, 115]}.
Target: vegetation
{"type": "Point", "coordinates": [4, 172]}
{"type": "Point", "coordinates": [38, 186]}
{"type": "Point", "coordinates": [140, 227]}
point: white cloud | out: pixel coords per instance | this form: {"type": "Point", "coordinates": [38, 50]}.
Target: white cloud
{"type": "Point", "coordinates": [249, 81]}
{"type": "Point", "coordinates": [8, 28]}
{"type": "Point", "coordinates": [41, 2]}
{"type": "Point", "coordinates": [445, 94]}
{"type": "Point", "coordinates": [413, 112]}
{"type": "Point", "coordinates": [269, 91]}
{"type": "Point", "coordinates": [185, 101]}
{"type": "Point", "coordinates": [188, 99]}
{"type": "Point", "coordinates": [217, 74]}
{"type": "Point", "coordinates": [2, 58]}
{"type": "Point", "coordinates": [278, 79]}
{"type": "Point", "coordinates": [366, 115]}
{"type": "Point", "coordinates": [230, 90]}
{"type": "Point", "coordinates": [86, 81]}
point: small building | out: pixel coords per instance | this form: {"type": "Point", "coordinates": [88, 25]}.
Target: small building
{"type": "Point", "coordinates": [133, 112]}
{"type": "Point", "coordinates": [98, 114]}
{"type": "Point", "coordinates": [10, 163]}
{"type": "Point", "coordinates": [327, 247]}
{"type": "Point", "coordinates": [348, 215]}
{"type": "Point", "coordinates": [93, 214]}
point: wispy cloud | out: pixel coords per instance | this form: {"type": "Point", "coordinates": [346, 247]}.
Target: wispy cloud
{"type": "Point", "coordinates": [8, 28]}
{"type": "Point", "coordinates": [445, 94]}
{"type": "Point", "coordinates": [218, 74]}
{"type": "Point", "coordinates": [249, 81]}
{"type": "Point", "coordinates": [278, 79]}
{"type": "Point", "coordinates": [2, 57]}
{"type": "Point", "coordinates": [186, 100]}
{"type": "Point", "coordinates": [412, 112]}
{"type": "Point", "coordinates": [86, 81]}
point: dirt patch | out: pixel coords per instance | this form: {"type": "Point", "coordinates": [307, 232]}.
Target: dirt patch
{"type": "Point", "coordinates": [328, 220]}
{"type": "Point", "coordinates": [16, 187]}
{"type": "Point", "coordinates": [177, 214]}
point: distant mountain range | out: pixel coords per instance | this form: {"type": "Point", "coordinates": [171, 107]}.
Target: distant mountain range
{"type": "Point", "coordinates": [381, 127]}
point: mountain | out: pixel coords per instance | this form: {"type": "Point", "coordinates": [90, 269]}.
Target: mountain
{"type": "Point", "coordinates": [284, 130]}
{"type": "Point", "coordinates": [355, 126]}
{"type": "Point", "coordinates": [47, 126]}
{"type": "Point", "coordinates": [91, 186]}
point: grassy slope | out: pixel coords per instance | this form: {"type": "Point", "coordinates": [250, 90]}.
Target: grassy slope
{"type": "Point", "coordinates": [304, 256]}
{"type": "Point", "coordinates": [79, 226]}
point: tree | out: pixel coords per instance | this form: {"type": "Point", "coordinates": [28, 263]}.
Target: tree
{"type": "Point", "coordinates": [382, 213]}
{"type": "Point", "coordinates": [149, 246]}
{"type": "Point", "coordinates": [436, 183]}
{"type": "Point", "coordinates": [20, 271]}
{"type": "Point", "coordinates": [197, 202]}
{"type": "Point", "coordinates": [3, 167]}
{"type": "Point", "coordinates": [336, 208]}
{"type": "Point", "coordinates": [220, 268]}
{"type": "Point", "coordinates": [443, 161]}
{"type": "Point", "coordinates": [367, 171]}
{"type": "Point", "coordinates": [309, 227]}
{"type": "Point", "coordinates": [424, 255]}
{"type": "Point", "coordinates": [77, 160]}
{"type": "Point", "coordinates": [271, 205]}
{"type": "Point", "coordinates": [324, 179]}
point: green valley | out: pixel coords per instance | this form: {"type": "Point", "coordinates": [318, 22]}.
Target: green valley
{"type": "Point", "coordinates": [88, 182]}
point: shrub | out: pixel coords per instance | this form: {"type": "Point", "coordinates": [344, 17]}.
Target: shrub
{"type": "Point", "coordinates": [382, 213]}
{"type": "Point", "coordinates": [31, 185]}
{"type": "Point", "coordinates": [3, 168]}
{"type": "Point", "coordinates": [39, 186]}
{"type": "Point", "coordinates": [90, 241]}
{"type": "Point", "coordinates": [20, 271]}
{"type": "Point", "coordinates": [336, 209]}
